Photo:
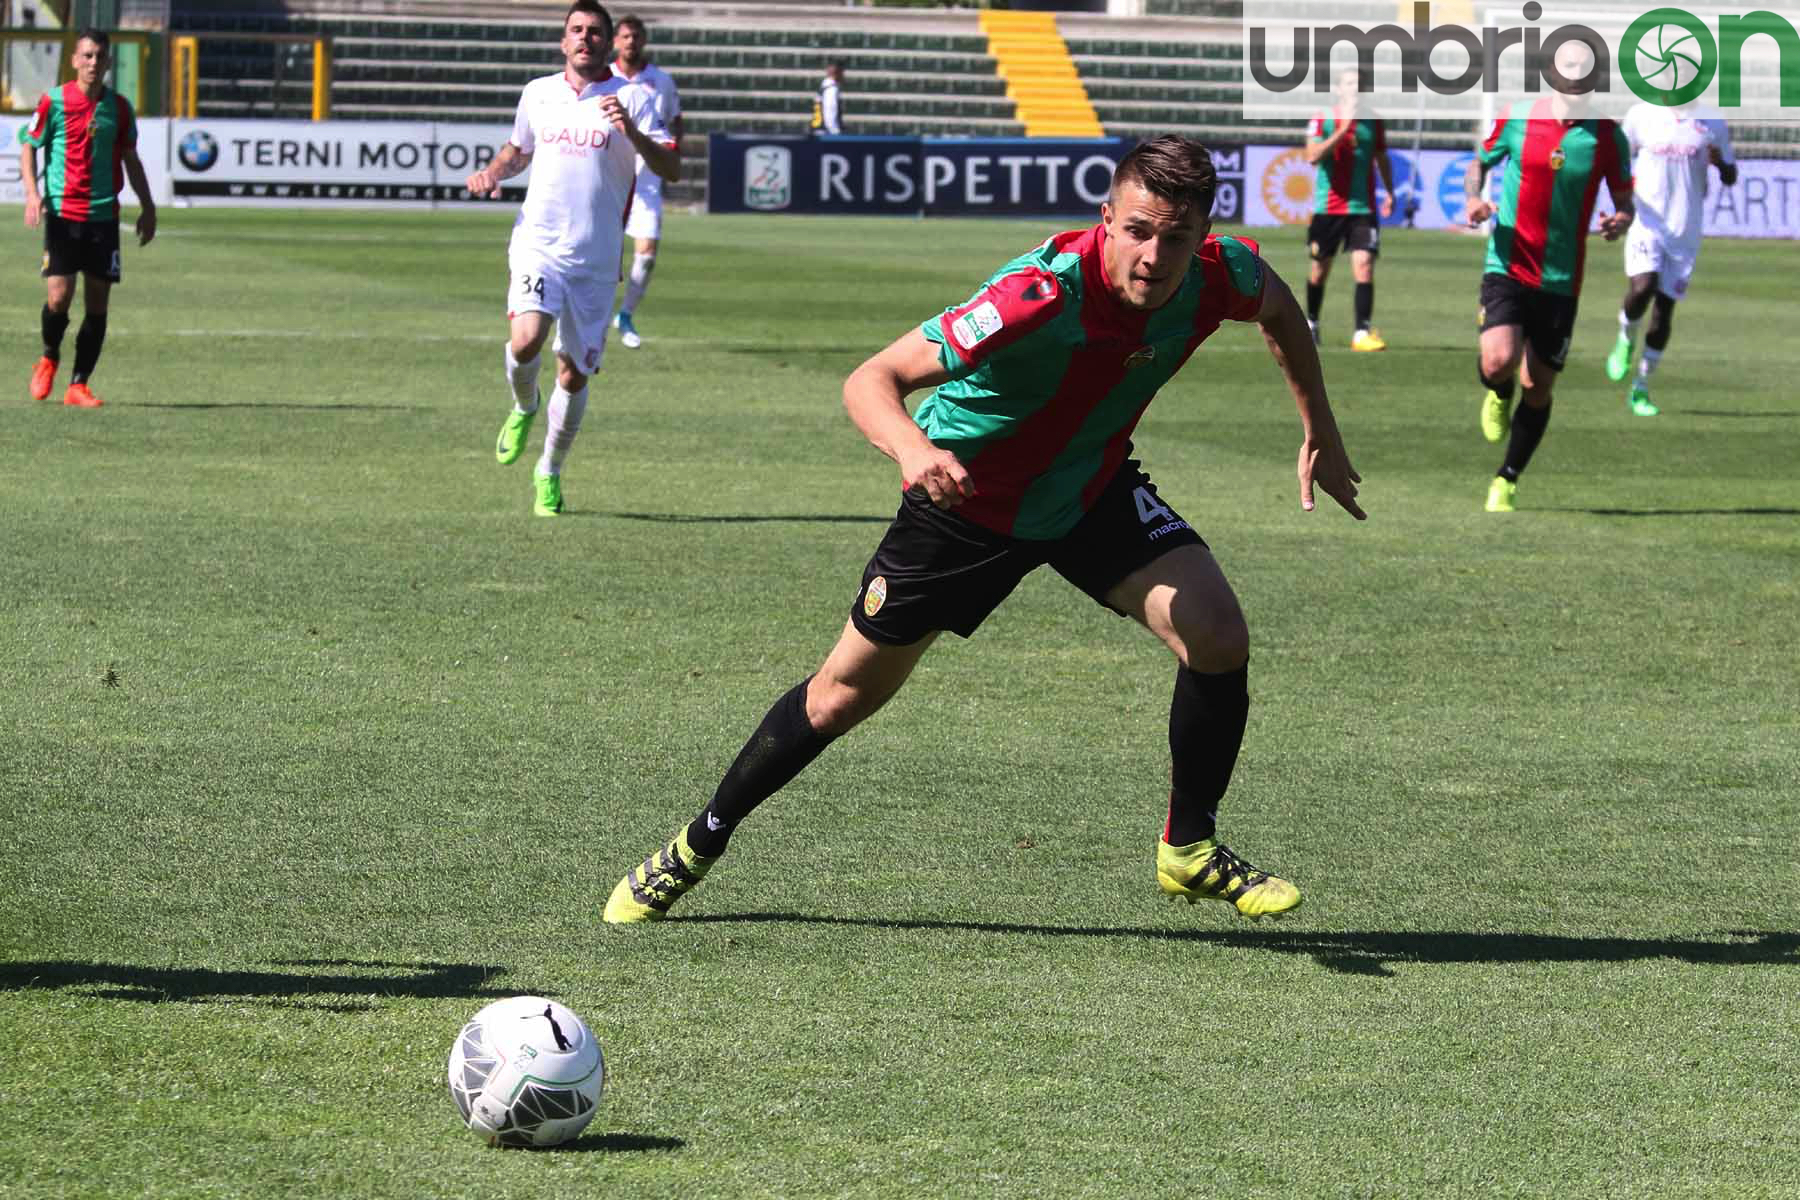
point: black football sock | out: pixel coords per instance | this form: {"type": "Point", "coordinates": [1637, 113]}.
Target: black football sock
{"type": "Point", "coordinates": [1206, 727]}
{"type": "Point", "coordinates": [1315, 296]}
{"type": "Point", "coordinates": [88, 340]}
{"type": "Point", "coordinates": [1365, 304]}
{"type": "Point", "coordinates": [779, 750]}
{"type": "Point", "coordinates": [1502, 389]}
{"type": "Point", "coordinates": [1528, 425]}
{"type": "Point", "coordinates": [55, 324]}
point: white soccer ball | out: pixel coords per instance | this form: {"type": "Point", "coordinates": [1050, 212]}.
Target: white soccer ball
{"type": "Point", "coordinates": [526, 1072]}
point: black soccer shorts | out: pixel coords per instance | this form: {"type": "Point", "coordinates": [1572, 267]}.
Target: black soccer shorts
{"type": "Point", "coordinates": [935, 570]}
{"type": "Point", "coordinates": [1547, 318]}
{"type": "Point", "coordinates": [1352, 231]}
{"type": "Point", "coordinates": [81, 247]}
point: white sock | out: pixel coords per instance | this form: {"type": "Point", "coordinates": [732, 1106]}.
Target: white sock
{"type": "Point", "coordinates": [1628, 327]}
{"type": "Point", "coordinates": [522, 378]}
{"type": "Point", "coordinates": [566, 411]}
{"type": "Point", "coordinates": [637, 281]}
{"type": "Point", "coordinates": [1647, 364]}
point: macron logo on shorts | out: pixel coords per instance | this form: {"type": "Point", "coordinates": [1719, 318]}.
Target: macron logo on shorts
{"type": "Point", "coordinates": [977, 325]}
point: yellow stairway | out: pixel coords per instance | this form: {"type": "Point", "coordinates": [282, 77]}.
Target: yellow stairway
{"type": "Point", "coordinates": [1040, 76]}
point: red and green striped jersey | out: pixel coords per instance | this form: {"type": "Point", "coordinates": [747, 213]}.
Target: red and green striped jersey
{"type": "Point", "coordinates": [1346, 178]}
{"type": "Point", "coordinates": [86, 141]}
{"type": "Point", "coordinates": [1051, 371]}
{"type": "Point", "coordinates": [1553, 174]}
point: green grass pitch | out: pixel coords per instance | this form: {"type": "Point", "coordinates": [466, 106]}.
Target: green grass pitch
{"type": "Point", "coordinates": [313, 740]}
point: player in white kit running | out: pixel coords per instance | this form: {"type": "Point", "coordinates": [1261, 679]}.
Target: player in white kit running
{"type": "Point", "coordinates": [644, 225]}
{"type": "Point", "coordinates": [1671, 150]}
{"type": "Point", "coordinates": [582, 132]}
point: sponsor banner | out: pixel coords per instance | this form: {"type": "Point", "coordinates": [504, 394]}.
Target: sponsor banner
{"type": "Point", "coordinates": [1228, 199]}
{"type": "Point", "coordinates": [910, 176]}
{"type": "Point", "coordinates": [1278, 190]}
{"type": "Point", "coordinates": [356, 161]}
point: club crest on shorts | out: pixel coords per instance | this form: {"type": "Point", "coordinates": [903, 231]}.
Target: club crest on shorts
{"type": "Point", "coordinates": [875, 595]}
{"type": "Point", "coordinates": [1142, 356]}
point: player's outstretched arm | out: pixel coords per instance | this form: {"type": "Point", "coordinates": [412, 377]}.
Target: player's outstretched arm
{"type": "Point", "coordinates": [504, 165]}
{"type": "Point", "coordinates": [662, 157]}
{"type": "Point", "coordinates": [34, 203]}
{"type": "Point", "coordinates": [1322, 457]}
{"type": "Point", "coordinates": [134, 171]}
{"type": "Point", "coordinates": [875, 396]}
{"type": "Point", "coordinates": [1317, 148]}
{"type": "Point", "coordinates": [1476, 207]}
{"type": "Point", "coordinates": [1619, 220]}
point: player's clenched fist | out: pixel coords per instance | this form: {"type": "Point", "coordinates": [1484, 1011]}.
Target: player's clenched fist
{"type": "Point", "coordinates": [941, 474]}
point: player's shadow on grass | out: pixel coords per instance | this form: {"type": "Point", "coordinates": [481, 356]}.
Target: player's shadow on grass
{"type": "Point", "coordinates": [1681, 512]}
{"type": "Point", "coordinates": [345, 988]}
{"type": "Point", "coordinates": [615, 1143]}
{"type": "Point", "coordinates": [1739, 412]}
{"type": "Point", "coordinates": [748, 518]}
{"type": "Point", "coordinates": [212, 404]}
{"type": "Point", "coordinates": [1374, 953]}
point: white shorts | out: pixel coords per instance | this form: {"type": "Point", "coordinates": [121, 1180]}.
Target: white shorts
{"type": "Point", "coordinates": [645, 218]}
{"type": "Point", "coordinates": [1646, 251]}
{"type": "Point", "coordinates": [582, 306]}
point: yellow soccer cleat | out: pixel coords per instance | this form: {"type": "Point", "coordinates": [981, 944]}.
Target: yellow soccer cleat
{"type": "Point", "coordinates": [1496, 416]}
{"type": "Point", "coordinates": [1210, 871]}
{"type": "Point", "coordinates": [1501, 494]}
{"type": "Point", "coordinates": [649, 888]}
{"type": "Point", "coordinates": [1365, 341]}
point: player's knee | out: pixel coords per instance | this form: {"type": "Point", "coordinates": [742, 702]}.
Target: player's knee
{"type": "Point", "coordinates": [1211, 637]}
{"type": "Point", "coordinates": [834, 707]}
{"type": "Point", "coordinates": [1662, 321]}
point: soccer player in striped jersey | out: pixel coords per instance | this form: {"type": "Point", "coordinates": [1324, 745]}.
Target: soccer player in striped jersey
{"type": "Point", "coordinates": [1350, 150]}
{"type": "Point", "coordinates": [1673, 148]}
{"type": "Point", "coordinates": [1556, 158]}
{"type": "Point", "coordinates": [88, 134]}
{"type": "Point", "coordinates": [583, 132]}
{"type": "Point", "coordinates": [1021, 456]}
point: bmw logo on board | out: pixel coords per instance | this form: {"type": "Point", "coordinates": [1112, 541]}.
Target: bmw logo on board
{"type": "Point", "coordinates": [199, 150]}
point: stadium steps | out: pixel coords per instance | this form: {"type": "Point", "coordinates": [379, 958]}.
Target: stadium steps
{"type": "Point", "coordinates": [1040, 76]}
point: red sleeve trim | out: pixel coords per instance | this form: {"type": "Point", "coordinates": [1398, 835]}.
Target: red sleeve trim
{"type": "Point", "coordinates": [1002, 313]}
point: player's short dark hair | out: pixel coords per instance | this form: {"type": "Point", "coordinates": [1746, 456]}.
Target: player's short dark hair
{"type": "Point", "coordinates": [1178, 169]}
{"type": "Point", "coordinates": [593, 9]}
{"type": "Point", "coordinates": [99, 37]}
{"type": "Point", "coordinates": [632, 21]}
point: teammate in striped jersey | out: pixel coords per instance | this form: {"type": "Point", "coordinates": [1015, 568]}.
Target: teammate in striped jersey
{"type": "Point", "coordinates": [1556, 159]}
{"type": "Point", "coordinates": [1350, 149]}
{"type": "Point", "coordinates": [1021, 456]}
{"type": "Point", "coordinates": [89, 136]}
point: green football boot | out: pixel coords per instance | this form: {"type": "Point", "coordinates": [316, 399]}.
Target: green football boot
{"type": "Point", "coordinates": [1619, 361]}
{"type": "Point", "coordinates": [513, 435]}
{"type": "Point", "coordinates": [1496, 416]}
{"type": "Point", "coordinates": [1638, 401]}
{"type": "Point", "coordinates": [549, 494]}
{"type": "Point", "coordinates": [649, 888]}
{"type": "Point", "coordinates": [1501, 494]}
{"type": "Point", "coordinates": [1209, 871]}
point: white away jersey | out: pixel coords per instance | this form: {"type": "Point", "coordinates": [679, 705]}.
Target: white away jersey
{"type": "Point", "coordinates": [1670, 153]}
{"type": "Point", "coordinates": [668, 107]}
{"type": "Point", "coordinates": [582, 171]}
